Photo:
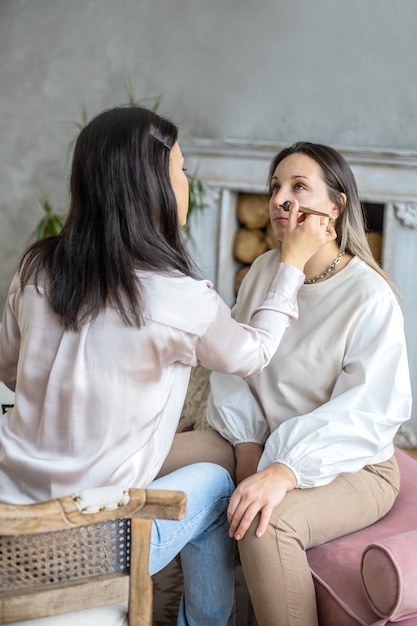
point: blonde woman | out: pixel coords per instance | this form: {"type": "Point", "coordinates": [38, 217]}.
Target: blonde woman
{"type": "Point", "coordinates": [313, 432]}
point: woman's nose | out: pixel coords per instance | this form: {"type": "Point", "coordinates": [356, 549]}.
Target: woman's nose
{"type": "Point", "coordinates": [280, 198]}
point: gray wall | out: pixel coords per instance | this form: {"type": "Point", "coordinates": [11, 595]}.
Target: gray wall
{"type": "Point", "coordinates": [339, 72]}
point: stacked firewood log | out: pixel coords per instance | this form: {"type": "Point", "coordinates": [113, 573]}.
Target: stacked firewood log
{"type": "Point", "coordinates": [254, 235]}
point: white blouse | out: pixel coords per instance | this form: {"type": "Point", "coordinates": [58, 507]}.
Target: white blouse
{"type": "Point", "coordinates": [101, 406]}
{"type": "Point", "coordinates": [337, 389]}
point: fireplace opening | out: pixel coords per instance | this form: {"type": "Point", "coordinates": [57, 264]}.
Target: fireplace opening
{"type": "Point", "coordinates": [254, 234]}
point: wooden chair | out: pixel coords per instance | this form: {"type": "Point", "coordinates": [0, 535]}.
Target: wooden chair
{"type": "Point", "coordinates": [79, 552]}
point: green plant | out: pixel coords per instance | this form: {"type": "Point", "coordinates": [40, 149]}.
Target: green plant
{"type": "Point", "coordinates": [197, 190]}
{"type": "Point", "coordinates": [152, 102]}
{"type": "Point", "coordinates": [53, 221]}
{"type": "Point", "coordinates": [197, 198]}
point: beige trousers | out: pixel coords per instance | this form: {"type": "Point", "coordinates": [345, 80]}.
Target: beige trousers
{"type": "Point", "coordinates": [276, 567]}
{"type": "Point", "coordinates": [196, 446]}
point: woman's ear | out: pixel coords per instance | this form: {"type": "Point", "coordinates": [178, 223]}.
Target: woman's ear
{"type": "Point", "coordinates": [339, 205]}
{"type": "Point", "coordinates": [342, 200]}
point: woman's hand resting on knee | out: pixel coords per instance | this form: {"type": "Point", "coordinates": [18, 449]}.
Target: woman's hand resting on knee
{"type": "Point", "coordinates": [259, 493]}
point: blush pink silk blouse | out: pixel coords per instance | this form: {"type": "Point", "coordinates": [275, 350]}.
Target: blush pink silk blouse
{"type": "Point", "coordinates": [101, 406]}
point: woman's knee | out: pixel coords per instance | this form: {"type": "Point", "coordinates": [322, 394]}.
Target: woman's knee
{"type": "Point", "coordinates": [208, 476]}
{"type": "Point", "coordinates": [199, 446]}
{"type": "Point", "coordinates": [203, 480]}
{"type": "Point", "coordinates": [289, 522]}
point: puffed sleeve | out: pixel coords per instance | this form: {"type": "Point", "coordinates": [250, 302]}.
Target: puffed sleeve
{"type": "Point", "coordinates": [370, 400]}
{"type": "Point", "coordinates": [234, 348]}
{"type": "Point", "coordinates": [234, 412]}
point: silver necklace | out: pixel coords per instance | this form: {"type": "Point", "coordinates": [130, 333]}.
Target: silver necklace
{"type": "Point", "coordinates": [327, 273]}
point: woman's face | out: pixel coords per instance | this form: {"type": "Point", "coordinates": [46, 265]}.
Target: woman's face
{"type": "Point", "coordinates": [179, 182]}
{"type": "Point", "coordinates": [297, 177]}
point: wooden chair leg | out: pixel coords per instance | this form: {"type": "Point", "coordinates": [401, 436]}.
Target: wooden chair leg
{"type": "Point", "coordinates": [140, 584]}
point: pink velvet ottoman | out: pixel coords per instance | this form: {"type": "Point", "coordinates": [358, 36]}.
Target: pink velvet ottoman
{"type": "Point", "coordinates": [344, 584]}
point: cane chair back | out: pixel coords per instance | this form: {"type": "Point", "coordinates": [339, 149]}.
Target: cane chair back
{"type": "Point", "coordinates": [81, 552]}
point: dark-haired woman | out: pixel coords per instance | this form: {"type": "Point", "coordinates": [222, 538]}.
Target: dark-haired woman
{"type": "Point", "coordinates": [313, 432]}
{"type": "Point", "coordinates": [100, 329]}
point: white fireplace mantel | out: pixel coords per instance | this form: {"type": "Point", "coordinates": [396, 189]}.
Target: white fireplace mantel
{"type": "Point", "coordinates": [381, 174]}
{"type": "Point", "coordinates": [384, 176]}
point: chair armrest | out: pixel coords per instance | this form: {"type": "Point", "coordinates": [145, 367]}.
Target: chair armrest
{"type": "Point", "coordinates": [64, 513]}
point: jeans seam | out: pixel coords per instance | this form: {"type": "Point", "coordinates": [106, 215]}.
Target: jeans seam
{"type": "Point", "coordinates": [194, 520]}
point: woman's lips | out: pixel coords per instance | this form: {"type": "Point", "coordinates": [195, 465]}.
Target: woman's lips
{"type": "Point", "coordinates": [280, 219]}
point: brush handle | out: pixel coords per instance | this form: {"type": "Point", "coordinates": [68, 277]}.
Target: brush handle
{"type": "Point", "coordinates": [303, 209]}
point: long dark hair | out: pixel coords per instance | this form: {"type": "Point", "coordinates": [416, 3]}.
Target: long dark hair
{"type": "Point", "coordinates": [122, 217]}
{"type": "Point", "coordinates": [350, 225]}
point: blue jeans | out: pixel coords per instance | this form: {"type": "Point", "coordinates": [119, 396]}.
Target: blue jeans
{"type": "Point", "coordinates": [207, 552]}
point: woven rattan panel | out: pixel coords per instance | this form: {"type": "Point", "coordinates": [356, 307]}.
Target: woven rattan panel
{"type": "Point", "coordinates": [35, 560]}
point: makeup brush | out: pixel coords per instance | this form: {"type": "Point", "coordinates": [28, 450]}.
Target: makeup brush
{"type": "Point", "coordinates": [303, 209]}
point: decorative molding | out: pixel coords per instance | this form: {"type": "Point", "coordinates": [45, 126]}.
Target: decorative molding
{"type": "Point", "coordinates": [406, 212]}
{"type": "Point", "coordinates": [382, 175]}
{"type": "Point", "coordinates": [242, 148]}
{"type": "Point", "coordinates": [213, 194]}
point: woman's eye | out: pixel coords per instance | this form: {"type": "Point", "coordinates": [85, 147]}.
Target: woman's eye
{"type": "Point", "coordinates": [184, 169]}
{"type": "Point", "coordinates": [274, 187]}
{"type": "Point", "coordinates": [299, 186]}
